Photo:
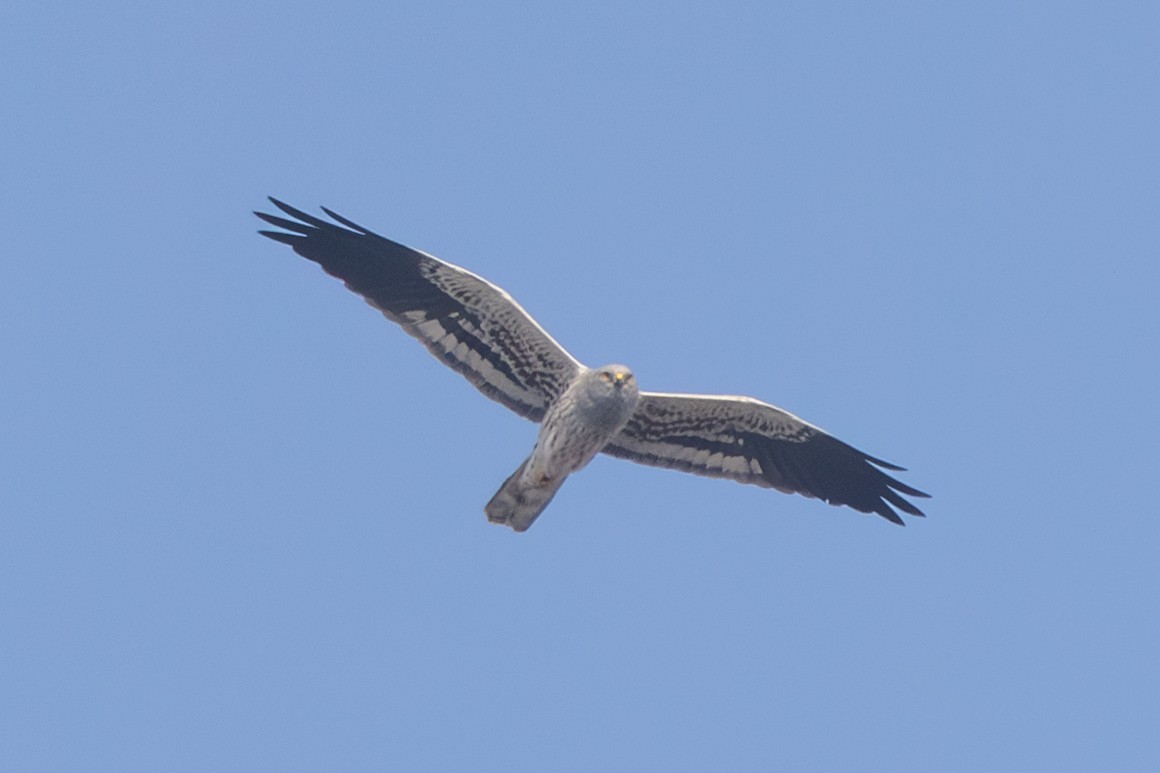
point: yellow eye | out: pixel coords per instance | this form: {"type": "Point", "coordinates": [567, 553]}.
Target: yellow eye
{"type": "Point", "coordinates": [606, 377]}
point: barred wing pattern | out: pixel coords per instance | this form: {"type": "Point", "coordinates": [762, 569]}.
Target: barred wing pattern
{"type": "Point", "coordinates": [749, 441]}
{"type": "Point", "coordinates": [469, 323]}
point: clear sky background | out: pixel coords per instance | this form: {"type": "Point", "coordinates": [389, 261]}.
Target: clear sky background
{"type": "Point", "coordinates": [241, 516]}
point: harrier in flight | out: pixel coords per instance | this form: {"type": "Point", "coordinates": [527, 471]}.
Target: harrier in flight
{"type": "Point", "coordinates": [480, 331]}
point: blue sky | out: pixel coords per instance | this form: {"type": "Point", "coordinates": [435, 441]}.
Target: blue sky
{"type": "Point", "coordinates": [241, 515]}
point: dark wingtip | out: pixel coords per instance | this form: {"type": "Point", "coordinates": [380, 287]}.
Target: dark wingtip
{"type": "Point", "coordinates": [884, 464]}
{"type": "Point", "coordinates": [279, 236]}
{"type": "Point", "coordinates": [271, 219]}
{"type": "Point", "coordinates": [289, 210]}
{"type": "Point", "coordinates": [910, 491]}
{"type": "Point", "coordinates": [892, 516]}
{"type": "Point", "coordinates": [909, 508]}
{"type": "Point", "coordinates": [294, 226]}
{"type": "Point", "coordinates": [350, 223]}
{"type": "Point", "coordinates": [304, 223]}
{"type": "Point", "coordinates": [298, 214]}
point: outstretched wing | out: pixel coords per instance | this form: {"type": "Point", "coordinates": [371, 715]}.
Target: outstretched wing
{"type": "Point", "coordinates": [749, 441]}
{"type": "Point", "coordinates": [466, 321]}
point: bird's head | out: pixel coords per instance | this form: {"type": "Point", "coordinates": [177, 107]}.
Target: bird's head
{"type": "Point", "coordinates": [608, 395]}
{"type": "Point", "coordinates": [614, 385]}
{"type": "Point", "coordinates": [618, 377]}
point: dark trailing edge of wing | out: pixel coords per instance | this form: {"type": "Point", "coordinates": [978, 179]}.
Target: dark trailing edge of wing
{"type": "Point", "coordinates": [397, 280]}
{"type": "Point", "coordinates": [821, 466]}
{"type": "Point", "coordinates": [384, 272]}
{"type": "Point", "coordinates": [827, 468]}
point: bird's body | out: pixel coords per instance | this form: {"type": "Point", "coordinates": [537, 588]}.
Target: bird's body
{"type": "Point", "coordinates": [578, 425]}
{"type": "Point", "coordinates": [479, 330]}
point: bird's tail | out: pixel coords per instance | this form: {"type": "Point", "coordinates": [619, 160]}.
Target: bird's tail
{"type": "Point", "coordinates": [518, 503]}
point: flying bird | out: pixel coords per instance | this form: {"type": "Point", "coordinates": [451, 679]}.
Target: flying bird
{"type": "Point", "coordinates": [480, 331]}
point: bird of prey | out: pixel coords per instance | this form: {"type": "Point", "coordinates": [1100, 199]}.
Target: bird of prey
{"type": "Point", "coordinates": [481, 332]}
